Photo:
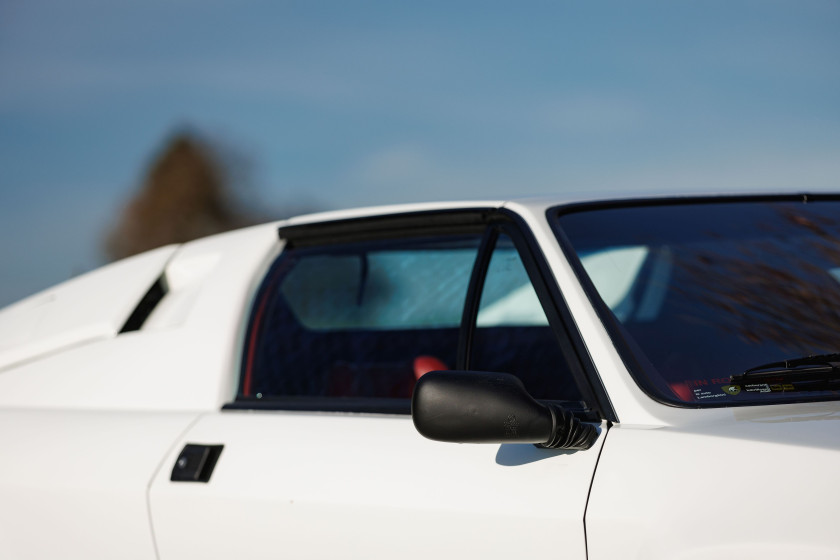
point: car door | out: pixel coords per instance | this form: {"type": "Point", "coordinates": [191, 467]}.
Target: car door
{"type": "Point", "coordinates": [317, 455]}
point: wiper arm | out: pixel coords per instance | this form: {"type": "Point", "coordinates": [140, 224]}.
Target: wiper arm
{"type": "Point", "coordinates": [810, 373]}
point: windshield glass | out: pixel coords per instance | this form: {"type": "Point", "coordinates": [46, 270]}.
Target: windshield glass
{"type": "Point", "coordinates": [702, 291]}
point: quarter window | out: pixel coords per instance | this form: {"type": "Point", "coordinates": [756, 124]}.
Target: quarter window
{"type": "Point", "coordinates": [358, 320]}
{"type": "Point", "coordinates": [336, 325]}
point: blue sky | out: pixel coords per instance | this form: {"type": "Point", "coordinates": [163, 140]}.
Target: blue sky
{"type": "Point", "coordinates": [348, 103]}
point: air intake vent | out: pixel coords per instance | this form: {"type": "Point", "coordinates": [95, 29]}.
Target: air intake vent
{"type": "Point", "coordinates": [146, 306]}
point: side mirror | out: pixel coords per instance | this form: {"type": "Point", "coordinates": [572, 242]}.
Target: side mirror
{"type": "Point", "coordinates": [479, 407]}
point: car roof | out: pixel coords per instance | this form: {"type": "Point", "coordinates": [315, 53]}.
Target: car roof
{"type": "Point", "coordinates": [542, 201]}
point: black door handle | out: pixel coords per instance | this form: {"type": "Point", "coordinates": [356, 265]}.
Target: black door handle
{"type": "Point", "coordinates": [196, 463]}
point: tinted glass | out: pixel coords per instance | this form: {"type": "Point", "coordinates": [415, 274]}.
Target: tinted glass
{"type": "Point", "coordinates": [403, 288]}
{"type": "Point", "coordinates": [705, 291]}
{"type": "Point", "coordinates": [358, 320]}
{"type": "Point", "coordinates": [512, 332]}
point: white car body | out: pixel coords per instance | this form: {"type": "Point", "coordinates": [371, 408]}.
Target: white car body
{"type": "Point", "coordinates": [92, 422]}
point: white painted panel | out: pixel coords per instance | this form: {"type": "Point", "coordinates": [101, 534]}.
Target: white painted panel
{"type": "Point", "coordinates": [761, 485]}
{"type": "Point", "coordinates": [73, 484]}
{"type": "Point", "coordinates": [308, 485]}
{"type": "Point", "coordinates": [91, 307]}
{"type": "Point", "coordinates": [185, 356]}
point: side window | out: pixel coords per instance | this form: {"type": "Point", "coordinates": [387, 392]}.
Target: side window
{"type": "Point", "coordinates": [512, 332]}
{"type": "Point", "coordinates": [358, 320]}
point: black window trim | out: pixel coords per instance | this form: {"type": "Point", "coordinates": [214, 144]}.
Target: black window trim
{"type": "Point", "coordinates": [323, 404]}
{"type": "Point", "coordinates": [409, 224]}
{"type": "Point", "coordinates": [488, 221]}
{"type": "Point", "coordinates": [466, 332]}
{"type": "Point", "coordinates": [559, 316]}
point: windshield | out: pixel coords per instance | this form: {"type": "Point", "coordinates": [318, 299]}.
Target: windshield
{"type": "Point", "coordinates": [702, 291]}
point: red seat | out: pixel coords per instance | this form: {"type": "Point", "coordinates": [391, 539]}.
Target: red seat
{"type": "Point", "coordinates": [425, 364]}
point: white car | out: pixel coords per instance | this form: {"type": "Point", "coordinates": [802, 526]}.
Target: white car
{"type": "Point", "coordinates": [249, 395]}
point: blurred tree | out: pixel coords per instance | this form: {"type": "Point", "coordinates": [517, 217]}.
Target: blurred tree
{"type": "Point", "coordinates": [186, 194]}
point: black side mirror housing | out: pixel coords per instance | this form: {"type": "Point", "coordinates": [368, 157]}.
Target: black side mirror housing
{"type": "Point", "coordinates": [481, 407]}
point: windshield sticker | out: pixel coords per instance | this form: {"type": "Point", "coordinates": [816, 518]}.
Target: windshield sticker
{"type": "Point", "coordinates": [703, 389]}
{"type": "Point", "coordinates": [767, 388]}
{"type": "Point", "coordinates": [757, 388]}
{"type": "Point", "coordinates": [702, 394]}
{"type": "Point", "coordinates": [782, 388]}
{"type": "Point", "coordinates": [706, 382]}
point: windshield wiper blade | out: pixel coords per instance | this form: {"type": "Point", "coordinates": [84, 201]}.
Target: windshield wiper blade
{"type": "Point", "coordinates": [821, 369]}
